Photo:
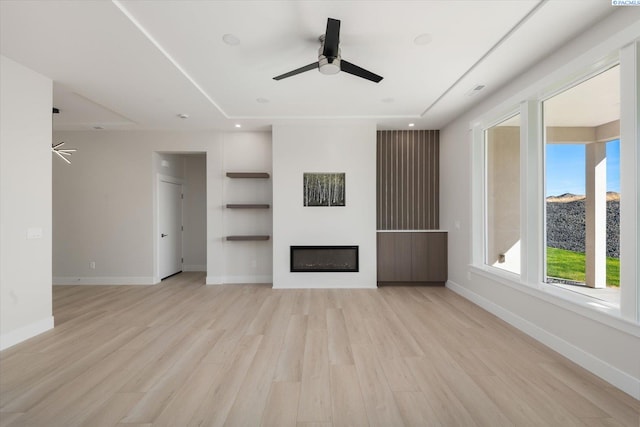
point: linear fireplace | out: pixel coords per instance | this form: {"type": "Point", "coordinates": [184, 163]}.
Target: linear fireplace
{"type": "Point", "coordinates": [310, 259]}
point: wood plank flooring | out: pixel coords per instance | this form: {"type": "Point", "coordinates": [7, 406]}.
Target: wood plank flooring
{"type": "Point", "coordinates": [185, 354]}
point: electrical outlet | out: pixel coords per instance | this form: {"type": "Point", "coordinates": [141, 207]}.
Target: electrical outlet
{"type": "Point", "coordinates": [34, 233]}
{"type": "Point", "coordinates": [92, 265]}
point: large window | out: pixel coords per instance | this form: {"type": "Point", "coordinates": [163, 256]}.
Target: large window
{"type": "Point", "coordinates": [555, 187]}
{"type": "Point", "coordinates": [502, 213]}
{"type": "Point", "coordinates": [582, 186]}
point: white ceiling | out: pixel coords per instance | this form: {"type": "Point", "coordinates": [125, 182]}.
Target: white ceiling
{"type": "Point", "coordinates": [138, 64]}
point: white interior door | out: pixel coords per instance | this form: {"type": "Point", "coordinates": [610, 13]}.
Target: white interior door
{"type": "Point", "coordinates": [170, 220]}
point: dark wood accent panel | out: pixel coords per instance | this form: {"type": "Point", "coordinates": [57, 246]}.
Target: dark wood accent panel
{"type": "Point", "coordinates": [412, 257]}
{"type": "Point", "coordinates": [429, 257]}
{"type": "Point", "coordinates": [394, 257]}
{"type": "Point", "coordinates": [402, 251]}
{"type": "Point", "coordinates": [408, 170]}
{"type": "Point", "coordinates": [438, 256]}
{"type": "Point", "coordinates": [420, 258]}
{"type": "Point", "coordinates": [386, 257]}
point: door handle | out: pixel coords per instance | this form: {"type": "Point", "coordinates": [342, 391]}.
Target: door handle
{"type": "Point", "coordinates": [163, 235]}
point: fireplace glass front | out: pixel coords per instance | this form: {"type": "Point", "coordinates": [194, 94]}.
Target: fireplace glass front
{"type": "Point", "coordinates": [308, 259]}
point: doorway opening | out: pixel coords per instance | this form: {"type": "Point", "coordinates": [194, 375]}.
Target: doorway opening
{"type": "Point", "coordinates": [180, 215]}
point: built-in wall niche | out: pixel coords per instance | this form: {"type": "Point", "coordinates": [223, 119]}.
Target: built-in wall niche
{"type": "Point", "coordinates": [248, 178]}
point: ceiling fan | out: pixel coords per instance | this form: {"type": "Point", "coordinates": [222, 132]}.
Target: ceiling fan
{"type": "Point", "coordinates": [329, 59]}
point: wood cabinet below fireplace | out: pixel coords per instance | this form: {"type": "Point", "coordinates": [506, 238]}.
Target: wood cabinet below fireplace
{"type": "Point", "coordinates": [412, 257]}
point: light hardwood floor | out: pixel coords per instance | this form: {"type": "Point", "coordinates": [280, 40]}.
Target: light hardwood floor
{"type": "Point", "coordinates": [184, 354]}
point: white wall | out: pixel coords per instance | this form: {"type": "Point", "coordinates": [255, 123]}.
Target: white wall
{"type": "Point", "coordinates": [195, 213]}
{"type": "Point", "coordinates": [324, 146]}
{"type": "Point", "coordinates": [606, 345]}
{"type": "Point", "coordinates": [103, 207]}
{"type": "Point", "coordinates": [25, 203]}
{"type": "Point", "coordinates": [168, 164]}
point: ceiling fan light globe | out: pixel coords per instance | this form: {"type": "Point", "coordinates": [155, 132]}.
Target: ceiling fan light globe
{"type": "Point", "coordinates": [329, 68]}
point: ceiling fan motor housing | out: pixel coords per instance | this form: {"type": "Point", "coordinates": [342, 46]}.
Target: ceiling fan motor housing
{"type": "Point", "coordinates": [328, 65]}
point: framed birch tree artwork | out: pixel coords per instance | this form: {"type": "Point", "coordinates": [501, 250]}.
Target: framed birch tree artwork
{"type": "Point", "coordinates": [323, 189]}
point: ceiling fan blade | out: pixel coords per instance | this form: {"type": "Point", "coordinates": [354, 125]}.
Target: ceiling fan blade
{"type": "Point", "coordinates": [350, 68]}
{"type": "Point", "coordinates": [331, 39]}
{"type": "Point", "coordinates": [297, 71]}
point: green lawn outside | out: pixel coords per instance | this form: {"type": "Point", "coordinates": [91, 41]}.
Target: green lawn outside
{"type": "Point", "coordinates": [571, 265]}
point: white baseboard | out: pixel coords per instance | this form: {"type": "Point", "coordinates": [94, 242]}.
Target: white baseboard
{"type": "Point", "coordinates": [246, 279]}
{"type": "Point", "coordinates": [16, 336]}
{"type": "Point", "coordinates": [233, 280]}
{"type": "Point", "coordinates": [109, 280]}
{"type": "Point", "coordinates": [194, 267]}
{"type": "Point", "coordinates": [328, 286]}
{"type": "Point", "coordinates": [604, 370]}
{"type": "Point", "coordinates": [214, 280]}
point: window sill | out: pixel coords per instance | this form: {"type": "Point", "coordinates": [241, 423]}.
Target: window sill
{"type": "Point", "coordinates": [591, 308]}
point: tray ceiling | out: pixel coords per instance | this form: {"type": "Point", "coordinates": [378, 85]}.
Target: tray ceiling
{"type": "Point", "coordinates": [138, 65]}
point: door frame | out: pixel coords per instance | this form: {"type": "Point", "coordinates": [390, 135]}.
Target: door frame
{"type": "Point", "coordinates": [156, 220]}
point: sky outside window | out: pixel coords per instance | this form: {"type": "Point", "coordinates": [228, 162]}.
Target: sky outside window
{"type": "Point", "coordinates": [565, 168]}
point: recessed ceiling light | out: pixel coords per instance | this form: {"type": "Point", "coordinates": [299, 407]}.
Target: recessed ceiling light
{"type": "Point", "coordinates": [411, 125]}
{"type": "Point", "coordinates": [422, 39]}
{"type": "Point", "coordinates": [388, 100]}
{"type": "Point", "coordinates": [231, 40]}
{"type": "Point", "coordinates": [262, 100]}
{"type": "Point", "coordinates": [238, 125]}
{"type": "Point", "coordinates": [183, 116]}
